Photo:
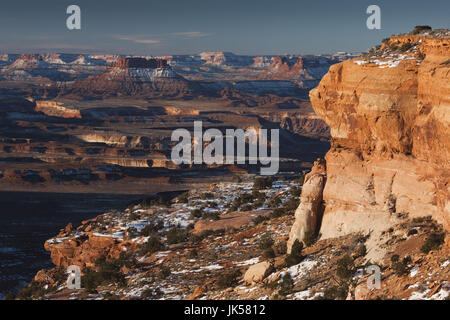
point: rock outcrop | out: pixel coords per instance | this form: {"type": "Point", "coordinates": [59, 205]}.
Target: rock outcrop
{"type": "Point", "coordinates": [389, 115]}
{"type": "Point", "coordinates": [308, 213]}
{"type": "Point", "coordinates": [132, 76]}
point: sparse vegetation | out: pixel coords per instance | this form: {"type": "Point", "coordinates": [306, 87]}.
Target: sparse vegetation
{"type": "Point", "coordinates": [345, 267]}
{"type": "Point", "coordinates": [434, 241]}
{"type": "Point", "coordinates": [295, 257]}
{"type": "Point", "coordinates": [228, 279]}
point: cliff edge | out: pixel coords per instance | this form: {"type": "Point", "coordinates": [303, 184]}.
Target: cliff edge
{"type": "Point", "coordinates": [389, 115]}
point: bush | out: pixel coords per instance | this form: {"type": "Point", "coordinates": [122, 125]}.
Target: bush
{"type": "Point", "coordinates": [164, 272]}
{"type": "Point", "coordinates": [309, 238]}
{"type": "Point", "coordinates": [132, 232]}
{"type": "Point", "coordinates": [345, 268]}
{"type": "Point", "coordinates": [33, 290]}
{"type": "Point", "coordinates": [196, 213]}
{"type": "Point", "coordinates": [210, 216]}
{"type": "Point", "coordinates": [269, 253]}
{"type": "Point", "coordinates": [286, 285]}
{"type": "Point", "coordinates": [295, 257]}
{"type": "Point", "coordinates": [152, 228]}
{"type": "Point", "coordinates": [434, 241]}
{"type": "Point", "coordinates": [262, 183]}
{"type": "Point", "coordinates": [421, 29]}
{"type": "Point", "coordinates": [177, 235]}
{"type": "Point", "coordinates": [152, 245]}
{"type": "Point", "coordinates": [335, 293]}
{"type": "Point", "coordinates": [228, 279]}
{"type": "Point", "coordinates": [400, 267]}
{"type": "Point", "coordinates": [265, 242]}
{"type": "Point", "coordinates": [260, 219]}
{"type": "Point", "coordinates": [183, 198]}
{"type": "Point", "coordinates": [133, 216]}
{"type": "Point", "coordinates": [361, 251]}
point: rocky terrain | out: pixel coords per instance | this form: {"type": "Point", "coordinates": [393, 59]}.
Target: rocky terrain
{"type": "Point", "coordinates": [389, 118]}
{"type": "Point", "coordinates": [379, 199]}
{"type": "Point", "coordinates": [229, 241]}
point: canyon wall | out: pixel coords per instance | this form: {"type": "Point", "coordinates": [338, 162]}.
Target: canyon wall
{"type": "Point", "coordinates": [389, 117]}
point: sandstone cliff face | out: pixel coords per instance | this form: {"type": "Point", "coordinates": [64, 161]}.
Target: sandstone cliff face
{"type": "Point", "coordinates": [389, 117]}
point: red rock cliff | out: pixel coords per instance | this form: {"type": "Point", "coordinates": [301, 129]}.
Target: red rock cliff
{"type": "Point", "coordinates": [389, 115]}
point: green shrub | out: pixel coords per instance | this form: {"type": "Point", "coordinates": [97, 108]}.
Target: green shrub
{"type": "Point", "coordinates": [269, 253]}
{"type": "Point", "coordinates": [164, 272]}
{"type": "Point", "coordinates": [229, 279]}
{"type": "Point", "coordinates": [151, 246]}
{"type": "Point", "coordinates": [177, 235]}
{"type": "Point", "coordinates": [132, 232]}
{"type": "Point", "coordinates": [335, 293]}
{"type": "Point", "coordinates": [309, 238]}
{"type": "Point", "coordinates": [262, 183]}
{"type": "Point", "coordinates": [152, 228]}
{"type": "Point", "coordinates": [401, 267]}
{"type": "Point", "coordinates": [295, 257]}
{"type": "Point", "coordinates": [345, 268]}
{"type": "Point", "coordinates": [434, 241]}
{"type": "Point", "coordinates": [421, 29]}
{"type": "Point", "coordinates": [211, 216]}
{"type": "Point", "coordinates": [260, 219]}
{"type": "Point", "coordinates": [196, 213]}
{"type": "Point", "coordinates": [361, 250]}
{"type": "Point", "coordinates": [286, 285]}
{"type": "Point", "coordinates": [265, 242]}
{"type": "Point", "coordinates": [183, 198]}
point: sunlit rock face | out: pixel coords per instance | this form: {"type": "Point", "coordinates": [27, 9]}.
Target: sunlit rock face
{"type": "Point", "coordinates": [389, 118]}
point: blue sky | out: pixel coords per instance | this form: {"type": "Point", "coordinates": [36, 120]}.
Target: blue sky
{"type": "Point", "coordinates": [191, 26]}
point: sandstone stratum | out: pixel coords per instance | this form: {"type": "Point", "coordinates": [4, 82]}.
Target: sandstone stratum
{"type": "Point", "coordinates": [389, 117]}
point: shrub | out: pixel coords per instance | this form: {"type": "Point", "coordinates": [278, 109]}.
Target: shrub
{"type": "Point", "coordinates": [309, 238]}
{"type": "Point", "coordinates": [196, 213]}
{"type": "Point", "coordinates": [229, 279]}
{"type": "Point", "coordinates": [278, 212]}
{"type": "Point", "coordinates": [345, 267]}
{"type": "Point", "coordinates": [262, 183]}
{"type": "Point", "coordinates": [132, 232]}
{"type": "Point", "coordinates": [286, 285]}
{"type": "Point", "coordinates": [207, 195]}
{"type": "Point", "coordinates": [421, 29]}
{"type": "Point", "coordinates": [164, 272]}
{"type": "Point", "coordinates": [269, 253]}
{"type": "Point", "coordinates": [295, 191]}
{"type": "Point", "coordinates": [361, 251]}
{"type": "Point", "coordinates": [260, 219]}
{"type": "Point", "coordinates": [433, 241]}
{"type": "Point", "coordinates": [152, 245]}
{"type": "Point", "coordinates": [265, 242]}
{"type": "Point", "coordinates": [183, 198]}
{"type": "Point", "coordinates": [400, 267]}
{"type": "Point", "coordinates": [177, 235]}
{"type": "Point", "coordinates": [152, 228]}
{"type": "Point", "coordinates": [335, 293]}
{"type": "Point", "coordinates": [210, 216]}
{"type": "Point", "coordinates": [405, 47]}
{"type": "Point", "coordinates": [295, 257]}
{"type": "Point", "coordinates": [33, 290]}
{"type": "Point", "coordinates": [133, 216]}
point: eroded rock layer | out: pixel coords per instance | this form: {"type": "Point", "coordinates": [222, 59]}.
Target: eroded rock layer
{"type": "Point", "coordinates": [389, 116]}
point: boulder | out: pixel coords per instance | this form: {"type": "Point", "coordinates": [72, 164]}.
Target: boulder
{"type": "Point", "coordinates": [257, 272]}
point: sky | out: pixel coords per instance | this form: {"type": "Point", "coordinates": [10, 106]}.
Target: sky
{"type": "Point", "coordinates": [154, 27]}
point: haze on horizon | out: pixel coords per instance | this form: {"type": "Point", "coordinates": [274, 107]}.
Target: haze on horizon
{"type": "Point", "coordinates": [158, 27]}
